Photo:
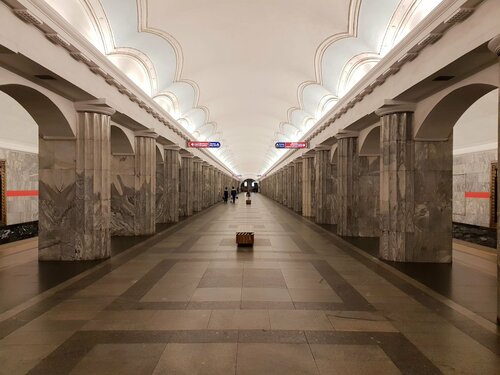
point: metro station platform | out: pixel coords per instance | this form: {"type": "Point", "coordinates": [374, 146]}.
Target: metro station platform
{"type": "Point", "coordinates": [186, 301]}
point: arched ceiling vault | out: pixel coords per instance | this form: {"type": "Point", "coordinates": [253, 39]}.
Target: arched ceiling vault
{"type": "Point", "coordinates": [245, 72]}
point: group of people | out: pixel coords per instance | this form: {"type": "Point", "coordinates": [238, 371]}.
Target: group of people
{"type": "Point", "coordinates": [233, 195]}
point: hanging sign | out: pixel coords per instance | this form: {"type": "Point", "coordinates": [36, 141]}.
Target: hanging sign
{"type": "Point", "coordinates": [291, 145]}
{"type": "Point", "coordinates": [196, 144]}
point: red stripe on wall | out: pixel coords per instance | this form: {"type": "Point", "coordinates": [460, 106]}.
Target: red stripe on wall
{"type": "Point", "coordinates": [22, 193]}
{"type": "Point", "coordinates": [479, 194]}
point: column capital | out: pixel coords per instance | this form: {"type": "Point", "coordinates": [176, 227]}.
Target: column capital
{"type": "Point", "coordinates": [197, 160]}
{"type": "Point", "coordinates": [147, 133]}
{"type": "Point", "coordinates": [308, 156]}
{"type": "Point", "coordinates": [171, 147]}
{"type": "Point", "coordinates": [342, 134]}
{"type": "Point", "coordinates": [494, 45]}
{"type": "Point", "coordinates": [95, 106]}
{"type": "Point", "coordinates": [395, 106]}
{"type": "Point", "coordinates": [322, 148]}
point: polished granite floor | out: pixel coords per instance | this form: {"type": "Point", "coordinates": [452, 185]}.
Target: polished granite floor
{"type": "Point", "coordinates": [188, 302]}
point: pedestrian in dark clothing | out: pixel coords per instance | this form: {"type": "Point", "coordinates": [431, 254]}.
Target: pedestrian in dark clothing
{"type": "Point", "coordinates": [226, 194]}
{"type": "Point", "coordinates": [233, 194]}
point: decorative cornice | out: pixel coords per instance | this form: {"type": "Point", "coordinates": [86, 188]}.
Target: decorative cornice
{"type": "Point", "coordinates": [379, 74]}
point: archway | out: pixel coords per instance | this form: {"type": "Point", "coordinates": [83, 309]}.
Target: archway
{"type": "Point", "coordinates": [456, 146]}
{"type": "Point", "coordinates": [249, 185]}
{"type": "Point", "coordinates": [457, 177]}
{"type": "Point", "coordinates": [47, 192]}
{"type": "Point", "coordinates": [122, 182]}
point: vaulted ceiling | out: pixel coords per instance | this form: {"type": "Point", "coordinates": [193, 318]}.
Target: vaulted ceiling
{"type": "Point", "coordinates": [245, 72]}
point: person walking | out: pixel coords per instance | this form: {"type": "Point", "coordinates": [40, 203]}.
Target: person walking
{"type": "Point", "coordinates": [233, 194]}
{"type": "Point", "coordinates": [226, 195]}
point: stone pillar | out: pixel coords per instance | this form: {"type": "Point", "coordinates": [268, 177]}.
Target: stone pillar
{"type": "Point", "coordinates": [145, 183]}
{"type": "Point", "coordinates": [415, 191]}
{"type": "Point", "coordinates": [324, 185]}
{"type": "Point", "coordinates": [281, 192]}
{"type": "Point", "coordinates": [172, 165]}
{"type": "Point", "coordinates": [205, 172]}
{"type": "Point", "coordinates": [369, 191]}
{"type": "Point", "coordinates": [74, 202]}
{"type": "Point", "coordinates": [494, 46]}
{"type": "Point", "coordinates": [308, 185]}
{"type": "Point", "coordinates": [197, 184]}
{"type": "Point", "coordinates": [347, 183]}
{"type": "Point", "coordinates": [297, 182]}
{"type": "Point", "coordinates": [218, 190]}
{"type": "Point", "coordinates": [186, 186]}
{"type": "Point", "coordinates": [286, 184]}
{"type": "Point", "coordinates": [161, 195]}
{"type": "Point", "coordinates": [291, 186]}
{"type": "Point", "coordinates": [93, 188]}
{"type": "Point", "coordinates": [212, 185]}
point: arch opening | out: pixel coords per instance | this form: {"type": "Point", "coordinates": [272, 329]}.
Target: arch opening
{"type": "Point", "coordinates": [120, 143]}
{"type": "Point", "coordinates": [438, 125]}
{"type": "Point", "coordinates": [41, 182]}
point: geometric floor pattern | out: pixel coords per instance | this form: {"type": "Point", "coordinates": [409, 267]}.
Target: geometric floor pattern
{"type": "Point", "coordinates": [189, 302]}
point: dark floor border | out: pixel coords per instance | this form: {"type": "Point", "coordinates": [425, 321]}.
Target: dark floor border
{"type": "Point", "coordinates": [100, 270]}
{"type": "Point", "coordinates": [17, 232]}
{"type": "Point", "coordinates": [398, 348]}
{"type": "Point", "coordinates": [472, 329]}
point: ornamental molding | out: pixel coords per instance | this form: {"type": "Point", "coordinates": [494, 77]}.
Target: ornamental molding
{"type": "Point", "coordinates": [410, 47]}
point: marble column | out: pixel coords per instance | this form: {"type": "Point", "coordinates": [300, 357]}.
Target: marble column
{"type": "Point", "coordinates": [324, 186]}
{"type": "Point", "coordinates": [218, 196]}
{"type": "Point", "coordinates": [206, 184]}
{"type": "Point", "coordinates": [145, 183]}
{"type": "Point", "coordinates": [347, 183]}
{"type": "Point", "coordinates": [186, 186]}
{"type": "Point", "coordinates": [74, 188]}
{"type": "Point", "coordinates": [308, 180]}
{"type": "Point", "coordinates": [281, 190]}
{"type": "Point", "coordinates": [369, 191]}
{"type": "Point", "coordinates": [297, 182]}
{"type": "Point", "coordinates": [291, 186]}
{"type": "Point", "coordinates": [161, 192]}
{"type": "Point", "coordinates": [494, 46]}
{"type": "Point", "coordinates": [93, 188]}
{"type": "Point", "coordinates": [284, 186]}
{"type": "Point", "coordinates": [93, 196]}
{"type": "Point", "coordinates": [197, 184]}
{"type": "Point", "coordinates": [415, 191]}
{"type": "Point", "coordinates": [172, 165]}
{"type": "Point", "coordinates": [212, 185]}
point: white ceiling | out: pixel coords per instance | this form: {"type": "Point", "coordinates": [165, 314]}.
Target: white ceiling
{"type": "Point", "coordinates": [245, 72]}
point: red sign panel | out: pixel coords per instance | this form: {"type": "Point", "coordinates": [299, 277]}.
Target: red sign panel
{"type": "Point", "coordinates": [291, 145]}
{"type": "Point", "coordinates": [477, 194]}
{"type": "Point", "coordinates": [22, 193]}
{"type": "Point", "coordinates": [196, 144]}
